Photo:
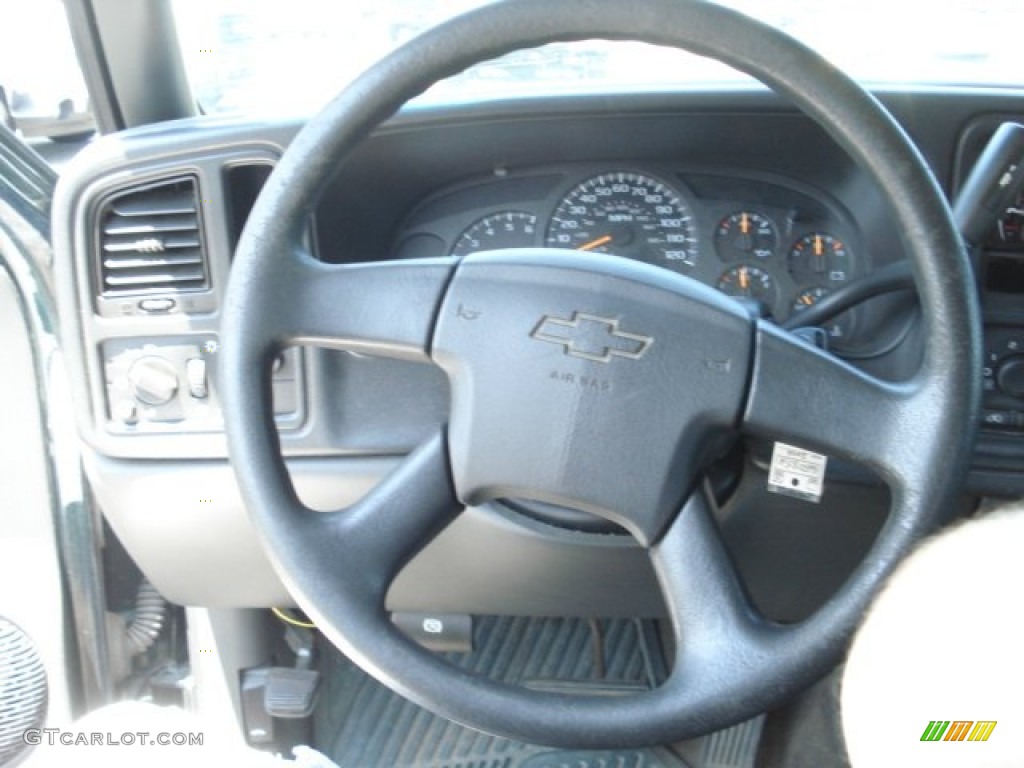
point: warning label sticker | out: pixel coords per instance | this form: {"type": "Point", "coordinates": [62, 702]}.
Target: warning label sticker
{"type": "Point", "coordinates": [796, 472]}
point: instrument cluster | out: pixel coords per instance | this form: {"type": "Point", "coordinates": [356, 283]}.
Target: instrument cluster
{"type": "Point", "coordinates": [765, 240]}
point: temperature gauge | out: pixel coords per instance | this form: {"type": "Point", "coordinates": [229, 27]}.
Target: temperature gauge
{"type": "Point", "coordinates": [819, 257]}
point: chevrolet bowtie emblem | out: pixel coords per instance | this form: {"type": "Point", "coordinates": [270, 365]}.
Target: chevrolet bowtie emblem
{"type": "Point", "coordinates": [591, 337]}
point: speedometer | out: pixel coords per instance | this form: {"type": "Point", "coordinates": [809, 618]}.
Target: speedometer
{"type": "Point", "coordinates": [628, 214]}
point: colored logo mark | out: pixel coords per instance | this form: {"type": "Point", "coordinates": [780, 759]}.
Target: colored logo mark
{"type": "Point", "coordinates": [958, 730]}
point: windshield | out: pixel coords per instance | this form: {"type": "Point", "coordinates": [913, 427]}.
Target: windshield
{"type": "Point", "coordinates": [268, 57]}
{"type": "Point", "coordinates": [42, 93]}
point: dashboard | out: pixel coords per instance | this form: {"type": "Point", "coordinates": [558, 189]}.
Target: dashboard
{"type": "Point", "coordinates": [734, 189]}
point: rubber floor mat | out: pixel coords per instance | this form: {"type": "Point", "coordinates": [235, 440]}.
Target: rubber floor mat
{"type": "Point", "coordinates": [643, 758]}
{"type": "Point", "coordinates": [361, 724]}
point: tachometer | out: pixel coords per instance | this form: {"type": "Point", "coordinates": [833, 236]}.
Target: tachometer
{"type": "Point", "coordinates": [628, 214]}
{"type": "Point", "coordinates": [508, 229]}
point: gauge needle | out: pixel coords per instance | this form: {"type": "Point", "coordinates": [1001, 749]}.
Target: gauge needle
{"type": "Point", "coordinates": [745, 224]}
{"type": "Point", "coordinates": [596, 243]}
{"type": "Point", "coordinates": [819, 246]}
{"type": "Point", "coordinates": [744, 278]}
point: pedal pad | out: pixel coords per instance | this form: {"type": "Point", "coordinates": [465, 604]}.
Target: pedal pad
{"type": "Point", "coordinates": [290, 693]}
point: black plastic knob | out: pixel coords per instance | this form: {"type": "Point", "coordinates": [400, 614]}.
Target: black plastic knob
{"type": "Point", "coordinates": [154, 380]}
{"type": "Point", "coordinates": [1011, 376]}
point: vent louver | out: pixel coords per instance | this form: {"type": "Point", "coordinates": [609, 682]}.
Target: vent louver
{"type": "Point", "coordinates": [150, 240]}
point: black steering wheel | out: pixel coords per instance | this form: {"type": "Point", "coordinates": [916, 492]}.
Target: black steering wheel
{"type": "Point", "coordinates": [678, 363]}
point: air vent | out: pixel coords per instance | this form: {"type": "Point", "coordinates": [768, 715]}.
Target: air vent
{"type": "Point", "coordinates": [150, 240]}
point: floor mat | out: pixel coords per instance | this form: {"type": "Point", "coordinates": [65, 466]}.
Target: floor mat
{"type": "Point", "coordinates": [361, 724]}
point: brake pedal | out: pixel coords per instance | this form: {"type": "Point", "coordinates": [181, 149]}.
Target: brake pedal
{"type": "Point", "coordinates": [271, 694]}
{"type": "Point", "coordinates": [290, 693]}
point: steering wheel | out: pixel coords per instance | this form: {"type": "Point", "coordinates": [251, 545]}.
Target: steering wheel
{"type": "Point", "coordinates": [677, 363]}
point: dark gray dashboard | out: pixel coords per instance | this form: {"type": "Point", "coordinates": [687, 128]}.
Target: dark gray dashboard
{"type": "Point", "coordinates": [142, 354]}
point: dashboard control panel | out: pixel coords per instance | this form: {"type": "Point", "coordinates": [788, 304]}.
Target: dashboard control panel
{"type": "Point", "coordinates": [988, 183]}
{"type": "Point", "coordinates": [168, 384]}
{"type": "Point", "coordinates": [1004, 378]}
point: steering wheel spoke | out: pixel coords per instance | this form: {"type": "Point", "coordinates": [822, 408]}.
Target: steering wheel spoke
{"type": "Point", "coordinates": [802, 395]}
{"type": "Point", "coordinates": [702, 589]}
{"type": "Point", "coordinates": [723, 644]}
{"type": "Point", "coordinates": [371, 541]}
{"type": "Point", "coordinates": [381, 308]}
